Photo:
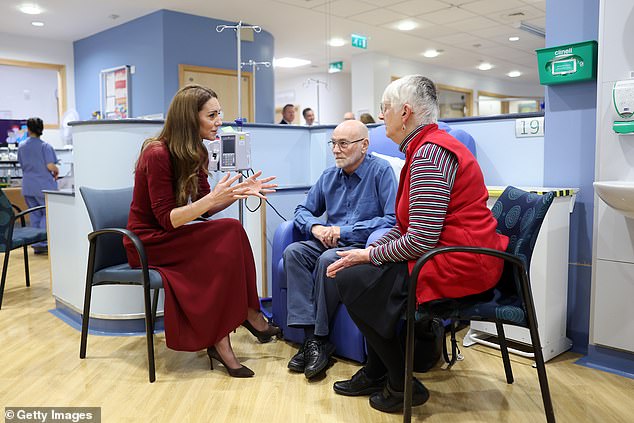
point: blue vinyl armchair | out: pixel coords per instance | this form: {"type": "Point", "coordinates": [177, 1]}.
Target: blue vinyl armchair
{"type": "Point", "coordinates": [344, 334]}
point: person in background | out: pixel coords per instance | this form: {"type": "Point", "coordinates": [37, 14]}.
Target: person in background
{"type": "Point", "coordinates": [39, 172]}
{"type": "Point", "coordinates": [309, 116]}
{"type": "Point", "coordinates": [288, 115]}
{"type": "Point", "coordinates": [348, 116]}
{"type": "Point", "coordinates": [357, 195]}
{"type": "Point", "coordinates": [207, 267]}
{"type": "Point", "coordinates": [441, 201]}
{"type": "Point", "coordinates": [366, 118]}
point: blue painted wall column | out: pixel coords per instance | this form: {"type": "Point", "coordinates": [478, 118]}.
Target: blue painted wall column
{"type": "Point", "coordinates": [569, 153]}
{"type": "Point", "coordinates": [156, 44]}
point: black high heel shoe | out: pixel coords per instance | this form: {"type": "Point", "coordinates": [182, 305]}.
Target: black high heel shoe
{"type": "Point", "coordinates": [263, 336]}
{"type": "Point", "coordinates": [242, 371]}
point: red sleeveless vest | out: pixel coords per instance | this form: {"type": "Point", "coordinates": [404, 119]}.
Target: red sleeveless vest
{"type": "Point", "coordinates": [468, 222]}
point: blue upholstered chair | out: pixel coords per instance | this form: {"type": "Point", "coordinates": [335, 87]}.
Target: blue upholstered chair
{"type": "Point", "coordinates": [12, 236]}
{"type": "Point", "coordinates": [519, 215]}
{"type": "Point", "coordinates": [108, 263]}
{"type": "Point", "coordinates": [344, 334]}
{"type": "Point", "coordinates": [380, 143]}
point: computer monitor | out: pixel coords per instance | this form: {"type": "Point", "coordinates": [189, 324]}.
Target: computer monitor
{"type": "Point", "coordinates": [12, 131]}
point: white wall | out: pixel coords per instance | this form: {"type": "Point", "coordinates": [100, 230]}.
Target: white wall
{"type": "Point", "coordinates": [29, 49]}
{"type": "Point", "coordinates": [334, 99]}
{"type": "Point", "coordinates": [613, 249]}
{"type": "Point", "coordinates": [372, 72]}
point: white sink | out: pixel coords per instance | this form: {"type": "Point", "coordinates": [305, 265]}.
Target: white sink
{"type": "Point", "coordinates": [617, 194]}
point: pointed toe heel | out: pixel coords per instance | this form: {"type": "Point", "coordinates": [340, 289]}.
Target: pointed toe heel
{"type": "Point", "coordinates": [263, 336]}
{"type": "Point", "coordinates": [240, 372]}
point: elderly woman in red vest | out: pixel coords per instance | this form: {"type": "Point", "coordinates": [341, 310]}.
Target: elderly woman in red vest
{"type": "Point", "coordinates": [441, 201]}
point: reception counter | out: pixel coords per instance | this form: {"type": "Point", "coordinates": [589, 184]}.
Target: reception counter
{"type": "Point", "coordinates": [104, 156]}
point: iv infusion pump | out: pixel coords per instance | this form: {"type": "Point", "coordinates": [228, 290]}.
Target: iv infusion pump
{"type": "Point", "coordinates": [230, 151]}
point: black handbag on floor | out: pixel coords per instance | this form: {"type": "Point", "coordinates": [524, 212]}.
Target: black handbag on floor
{"type": "Point", "coordinates": [428, 344]}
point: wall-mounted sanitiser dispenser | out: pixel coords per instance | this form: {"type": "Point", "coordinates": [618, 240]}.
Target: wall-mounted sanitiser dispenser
{"type": "Point", "coordinates": [623, 101]}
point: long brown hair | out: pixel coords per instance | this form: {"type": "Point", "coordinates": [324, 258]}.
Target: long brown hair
{"type": "Point", "coordinates": [181, 135]}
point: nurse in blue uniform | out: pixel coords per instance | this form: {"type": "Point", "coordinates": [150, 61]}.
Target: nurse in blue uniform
{"type": "Point", "coordinates": [39, 172]}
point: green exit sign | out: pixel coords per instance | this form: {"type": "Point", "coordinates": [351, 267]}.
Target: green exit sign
{"type": "Point", "coordinates": [359, 41]}
{"type": "Point", "coordinates": [335, 67]}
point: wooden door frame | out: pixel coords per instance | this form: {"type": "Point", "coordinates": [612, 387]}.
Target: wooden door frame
{"type": "Point", "coordinates": [61, 84]}
{"type": "Point", "coordinates": [182, 68]}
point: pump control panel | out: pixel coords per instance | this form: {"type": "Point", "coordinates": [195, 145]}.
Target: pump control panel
{"type": "Point", "coordinates": [235, 151]}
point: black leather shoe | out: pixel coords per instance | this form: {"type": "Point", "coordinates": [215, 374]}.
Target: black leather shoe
{"type": "Point", "coordinates": [359, 384]}
{"type": "Point", "coordinates": [317, 354]}
{"type": "Point", "coordinates": [390, 401]}
{"type": "Point", "coordinates": [297, 363]}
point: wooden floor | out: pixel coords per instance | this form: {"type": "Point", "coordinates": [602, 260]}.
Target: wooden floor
{"type": "Point", "coordinates": [40, 366]}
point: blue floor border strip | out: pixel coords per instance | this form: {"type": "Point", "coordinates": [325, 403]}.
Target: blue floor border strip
{"type": "Point", "coordinates": [104, 327]}
{"type": "Point", "coordinates": [608, 360]}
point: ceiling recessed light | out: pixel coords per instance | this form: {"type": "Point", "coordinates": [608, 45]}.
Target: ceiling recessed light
{"type": "Point", "coordinates": [406, 25]}
{"type": "Point", "coordinates": [290, 62]}
{"type": "Point", "coordinates": [30, 9]}
{"type": "Point", "coordinates": [485, 66]}
{"type": "Point", "coordinates": [514, 38]}
{"type": "Point", "coordinates": [514, 74]}
{"type": "Point", "coordinates": [336, 42]}
{"type": "Point", "coordinates": [431, 53]}
{"type": "Point", "coordinates": [37, 23]}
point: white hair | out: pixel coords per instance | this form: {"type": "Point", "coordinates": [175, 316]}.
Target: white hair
{"type": "Point", "coordinates": [417, 91]}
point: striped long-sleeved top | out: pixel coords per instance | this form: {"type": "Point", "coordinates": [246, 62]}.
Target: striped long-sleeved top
{"type": "Point", "coordinates": [433, 169]}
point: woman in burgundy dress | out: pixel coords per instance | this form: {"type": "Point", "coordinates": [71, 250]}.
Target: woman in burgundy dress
{"type": "Point", "coordinates": [207, 267]}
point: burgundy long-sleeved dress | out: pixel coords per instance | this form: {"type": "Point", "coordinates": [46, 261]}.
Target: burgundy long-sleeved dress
{"type": "Point", "coordinates": [207, 267]}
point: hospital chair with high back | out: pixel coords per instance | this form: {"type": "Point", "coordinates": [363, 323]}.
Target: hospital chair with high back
{"type": "Point", "coordinates": [12, 236]}
{"type": "Point", "coordinates": [519, 215]}
{"type": "Point", "coordinates": [108, 263]}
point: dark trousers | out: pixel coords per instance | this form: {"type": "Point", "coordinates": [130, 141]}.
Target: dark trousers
{"type": "Point", "coordinates": [375, 298]}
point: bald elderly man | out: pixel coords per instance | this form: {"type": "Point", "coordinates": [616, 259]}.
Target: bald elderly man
{"type": "Point", "coordinates": [357, 195]}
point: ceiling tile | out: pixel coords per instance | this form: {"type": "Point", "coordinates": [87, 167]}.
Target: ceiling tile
{"type": "Point", "coordinates": [309, 4]}
{"type": "Point", "coordinates": [497, 31]}
{"type": "Point", "coordinates": [456, 39]}
{"type": "Point", "coordinates": [540, 22]}
{"type": "Point", "coordinates": [378, 17]}
{"type": "Point", "coordinates": [381, 3]}
{"type": "Point", "coordinates": [517, 14]}
{"type": "Point", "coordinates": [488, 7]}
{"type": "Point", "coordinates": [417, 7]}
{"type": "Point", "coordinates": [345, 8]}
{"type": "Point", "coordinates": [444, 16]}
{"type": "Point", "coordinates": [504, 52]}
{"type": "Point", "coordinates": [433, 31]}
{"type": "Point", "coordinates": [476, 22]}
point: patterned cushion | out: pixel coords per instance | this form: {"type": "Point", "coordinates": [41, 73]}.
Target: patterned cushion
{"type": "Point", "coordinates": [520, 215]}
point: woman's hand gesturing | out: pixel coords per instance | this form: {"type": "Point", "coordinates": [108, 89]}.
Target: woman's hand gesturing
{"type": "Point", "coordinates": [256, 187]}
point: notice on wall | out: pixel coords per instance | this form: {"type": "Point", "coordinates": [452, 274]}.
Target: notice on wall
{"type": "Point", "coordinates": [115, 93]}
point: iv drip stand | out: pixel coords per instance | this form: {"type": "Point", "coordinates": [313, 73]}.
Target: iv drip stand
{"type": "Point", "coordinates": [238, 28]}
{"type": "Point", "coordinates": [254, 66]}
{"type": "Point", "coordinates": [317, 82]}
